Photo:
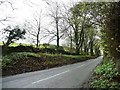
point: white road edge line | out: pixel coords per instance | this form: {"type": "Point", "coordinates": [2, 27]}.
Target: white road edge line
{"type": "Point", "coordinates": [50, 77]}
{"type": "Point", "coordinates": [80, 66]}
{"type": "Point", "coordinates": [54, 75]}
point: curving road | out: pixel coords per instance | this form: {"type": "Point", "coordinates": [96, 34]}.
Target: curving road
{"type": "Point", "coordinates": [69, 76]}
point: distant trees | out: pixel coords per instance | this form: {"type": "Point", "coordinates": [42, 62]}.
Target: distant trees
{"type": "Point", "coordinates": [78, 24]}
{"type": "Point", "coordinates": [14, 34]}
{"type": "Point", "coordinates": [84, 31]}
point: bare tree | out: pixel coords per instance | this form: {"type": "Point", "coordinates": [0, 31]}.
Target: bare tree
{"type": "Point", "coordinates": [56, 16]}
{"type": "Point", "coordinates": [7, 2]}
{"type": "Point", "coordinates": [7, 18]}
{"type": "Point", "coordinates": [34, 27]}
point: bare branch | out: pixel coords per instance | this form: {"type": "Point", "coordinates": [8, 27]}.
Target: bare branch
{"type": "Point", "coordinates": [30, 3]}
{"type": "Point", "coordinates": [7, 2]}
{"type": "Point", "coordinates": [52, 39]}
{"type": "Point", "coordinates": [4, 20]}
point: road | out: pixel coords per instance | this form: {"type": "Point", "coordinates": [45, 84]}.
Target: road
{"type": "Point", "coordinates": [69, 76]}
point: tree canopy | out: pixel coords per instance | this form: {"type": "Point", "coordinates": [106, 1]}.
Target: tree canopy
{"type": "Point", "coordinates": [13, 34]}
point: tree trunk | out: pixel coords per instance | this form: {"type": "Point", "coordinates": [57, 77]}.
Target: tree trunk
{"type": "Point", "coordinates": [57, 34]}
{"type": "Point", "coordinates": [91, 51]}
{"type": "Point", "coordinates": [57, 41]}
{"type": "Point", "coordinates": [77, 52]}
{"type": "Point", "coordinates": [118, 65]}
{"type": "Point", "coordinates": [91, 48]}
{"type": "Point", "coordinates": [76, 41]}
{"type": "Point", "coordinates": [71, 44]}
{"type": "Point", "coordinates": [87, 51]}
{"type": "Point", "coordinates": [8, 43]}
{"type": "Point", "coordinates": [77, 49]}
{"type": "Point", "coordinates": [38, 37]}
{"type": "Point", "coordinates": [71, 40]}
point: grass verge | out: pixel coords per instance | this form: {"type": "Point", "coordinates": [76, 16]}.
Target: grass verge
{"type": "Point", "coordinates": [16, 63]}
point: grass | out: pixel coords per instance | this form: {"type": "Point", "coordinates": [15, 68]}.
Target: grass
{"type": "Point", "coordinates": [41, 45]}
{"type": "Point", "coordinates": [21, 62]}
{"type": "Point", "coordinates": [1, 43]}
{"type": "Point", "coordinates": [16, 44]}
{"type": "Point", "coordinates": [10, 58]}
{"type": "Point", "coordinates": [69, 56]}
{"type": "Point", "coordinates": [52, 46]}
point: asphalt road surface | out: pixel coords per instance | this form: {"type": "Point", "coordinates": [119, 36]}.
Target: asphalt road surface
{"type": "Point", "coordinates": [69, 76]}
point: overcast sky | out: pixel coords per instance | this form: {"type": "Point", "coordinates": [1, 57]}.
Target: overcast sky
{"type": "Point", "coordinates": [25, 10]}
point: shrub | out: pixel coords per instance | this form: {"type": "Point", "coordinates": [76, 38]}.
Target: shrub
{"type": "Point", "coordinates": [45, 45]}
{"type": "Point", "coordinates": [104, 76]}
{"type": "Point", "coordinates": [60, 50]}
{"type": "Point", "coordinates": [10, 58]}
{"type": "Point", "coordinates": [20, 48]}
{"type": "Point", "coordinates": [107, 70]}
